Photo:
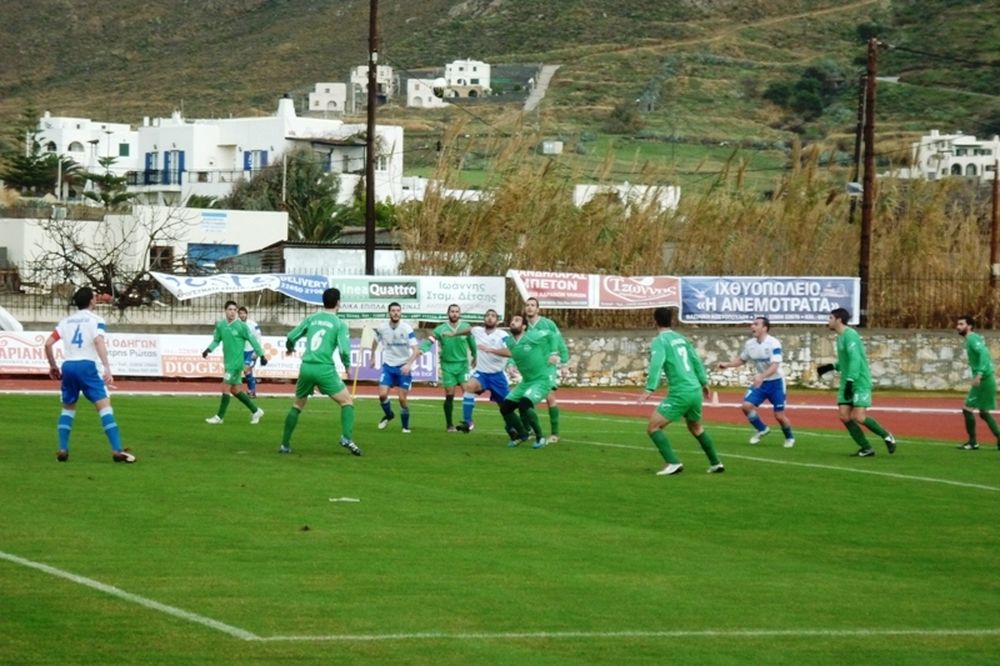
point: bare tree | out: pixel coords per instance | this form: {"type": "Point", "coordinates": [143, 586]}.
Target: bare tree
{"type": "Point", "coordinates": [111, 255]}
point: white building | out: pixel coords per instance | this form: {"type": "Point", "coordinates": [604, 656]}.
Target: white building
{"type": "Point", "coordinates": [86, 141]}
{"type": "Point", "coordinates": [665, 197]}
{"type": "Point", "coordinates": [329, 98]}
{"type": "Point", "coordinates": [202, 236]}
{"type": "Point", "coordinates": [385, 86]}
{"type": "Point", "coordinates": [939, 155]}
{"type": "Point", "coordinates": [420, 94]}
{"type": "Point", "coordinates": [174, 158]}
{"type": "Point", "coordinates": [467, 78]}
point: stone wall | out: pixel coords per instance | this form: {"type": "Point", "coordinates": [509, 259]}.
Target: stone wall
{"type": "Point", "coordinates": [923, 360]}
{"type": "Point", "coordinates": [908, 359]}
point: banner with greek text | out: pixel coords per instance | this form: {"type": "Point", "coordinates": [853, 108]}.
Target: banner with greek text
{"type": "Point", "coordinates": [594, 291]}
{"type": "Point", "coordinates": [783, 300]}
{"type": "Point", "coordinates": [422, 297]}
{"type": "Point", "coordinates": [154, 355]}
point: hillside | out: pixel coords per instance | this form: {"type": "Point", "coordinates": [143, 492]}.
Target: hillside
{"type": "Point", "coordinates": [694, 71]}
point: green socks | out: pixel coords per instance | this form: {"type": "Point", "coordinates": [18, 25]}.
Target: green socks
{"type": "Point", "coordinates": [347, 421]}
{"type": "Point", "coordinates": [875, 427]}
{"type": "Point", "coordinates": [291, 421]}
{"type": "Point", "coordinates": [663, 444]}
{"type": "Point", "coordinates": [449, 410]}
{"type": "Point", "coordinates": [514, 424]}
{"type": "Point", "coordinates": [554, 419]}
{"type": "Point", "coordinates": [245, 399]}
{"type": "Point", "coordinates": [857, 434]}
{"type": "Point", "coordinates": [224, 405]}
{"type": "Point", "coordinates": [708, 446]}
{"type": "Point", "coordinates": [530, 418]}
{"type": "Point", "coordinates": [970, 425]}
{"type": "Point", "coordinates": [986, 416]}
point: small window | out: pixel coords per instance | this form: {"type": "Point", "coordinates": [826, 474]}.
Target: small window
{"type": "Point", "coordinates": [75, 147]}
{"type": "Point", "coordinates": [161, 258]}
{"type": "Point", "coordinates": [123, 150]}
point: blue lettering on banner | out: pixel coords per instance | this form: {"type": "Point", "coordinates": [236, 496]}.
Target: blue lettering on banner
{"type": "Point", "coordinates": [785, 300]}
{"type": "Point", "coordinates": [307, 288]}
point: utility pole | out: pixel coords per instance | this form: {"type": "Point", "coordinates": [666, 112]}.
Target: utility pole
{"type": "Point", "coordinates": [994, 266]}
{"type": "Point", "coordinates": [370, 142]}
{"type": "Point", "coordinates": [862, 87]}
{"type": "Point", "coordinates": [868, 192]}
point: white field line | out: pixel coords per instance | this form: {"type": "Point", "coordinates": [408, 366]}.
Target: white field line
{"type": "Point", "coordinates": [242, 634]}
{"type": "Point", "coordinates": [792, 463]}
{"type": "Point", "coordinates": [173, 611]}
{"type": "Point", "coordinates": [678, 633]}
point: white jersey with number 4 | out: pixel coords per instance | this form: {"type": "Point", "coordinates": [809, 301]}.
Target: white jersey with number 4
{"type": "Point", "coordinates": [761, 354]}
{"type": "Point", "coordinates": [78, 333]}
{"type": "Point", "coordinates": [485, 361]}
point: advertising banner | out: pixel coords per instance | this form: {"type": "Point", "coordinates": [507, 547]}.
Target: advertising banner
{"type": "Point", "coordinates": [595, 291]}
{"type": "Point", "coordinates": [152, 355]}
{"type": "Point", "coordinates": [422, 297]}
{"type": "Point", "coordinates": [784, 300]}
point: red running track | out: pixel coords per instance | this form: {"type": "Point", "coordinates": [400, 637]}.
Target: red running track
{"type": "Point", "coordinates": [910, 416]}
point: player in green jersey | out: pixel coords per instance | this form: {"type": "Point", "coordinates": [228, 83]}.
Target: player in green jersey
{"type": "Point", "coordinates": [326, 334]}
{"type": "Point", "coordinates": [534, 352]}
{"type": "Point", "coordinates": [855, 394]}
{"type": "Point", "coordinates": [233, 334]}
{"type": "Point", "coordinates": [535, 320]}
{"type": "Point", "coordinates": [454, 347]}
{"type": "Point", "coordinates": [983, 392]}
{"type": "Point", "coordinates": [672, 354]}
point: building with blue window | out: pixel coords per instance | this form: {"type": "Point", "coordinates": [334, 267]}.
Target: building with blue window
{"type": "Point", "coordinates": [167, 160]}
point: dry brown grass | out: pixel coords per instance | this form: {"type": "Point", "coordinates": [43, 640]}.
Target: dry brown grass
{"type": "Point", "coordinates": [927, 238]}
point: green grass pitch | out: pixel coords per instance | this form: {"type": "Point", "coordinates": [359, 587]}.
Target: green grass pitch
{"type": "Point", "coordinates": [463, 551]}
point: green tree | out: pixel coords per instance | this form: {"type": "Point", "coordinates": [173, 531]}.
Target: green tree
{"type": "Point", "coordinates": [624, 119]}
{"type": "Point", "coordinates": [310, 195]}
{"type": "Point", "coordinates": [112, 191]}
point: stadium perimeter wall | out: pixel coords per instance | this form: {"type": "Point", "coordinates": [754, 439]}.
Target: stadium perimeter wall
{"type": "Point", "coordinates": [930, 360]}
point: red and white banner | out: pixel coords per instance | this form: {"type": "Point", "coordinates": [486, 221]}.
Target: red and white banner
{"type": "Point", "coordinates": [578, 290]}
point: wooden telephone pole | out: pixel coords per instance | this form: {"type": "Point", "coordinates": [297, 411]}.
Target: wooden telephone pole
{"type": "Point", "coordinates": [868, 184]}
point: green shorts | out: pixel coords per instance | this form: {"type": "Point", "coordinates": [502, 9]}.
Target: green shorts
{"type": "Point", "coordinates": [984, 396]}
{"type": "Point", "coordinates": [321, 376]}
{"type": "Point", "coordinates": [454, 374]}
{"type": "Point", "coordinates": [862, 396]}
{"type": "Point", "coordinates": [535, 391]}
{"type": "Point", "coordinates": [676, 406]}
{"type": "Point", "coordinates": [233, 376]}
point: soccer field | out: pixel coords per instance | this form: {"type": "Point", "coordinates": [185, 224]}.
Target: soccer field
{"type": "Point", "coordinates": [214, 548]}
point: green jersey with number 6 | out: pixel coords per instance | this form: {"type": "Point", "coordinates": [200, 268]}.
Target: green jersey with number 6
{"type": "Point", "coordinates": [674, 355]}
{"type": "Point", "coordinates": [325, 334]}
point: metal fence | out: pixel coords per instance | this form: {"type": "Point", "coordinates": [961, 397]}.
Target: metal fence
{"type": "Point", "coordinates": [895, 301]}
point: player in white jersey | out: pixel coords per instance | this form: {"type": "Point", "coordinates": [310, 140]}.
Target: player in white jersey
{"type": "Point", "coordinates": [489, 374]}
{"type": "Point", "coordinates": [763, 352]}
{"type": "Point", "coordinates": [249, 355]}
{"type": "Point", "coordinates": [82, 335]}
{"type": "Point", "coordinates": [399, 351]}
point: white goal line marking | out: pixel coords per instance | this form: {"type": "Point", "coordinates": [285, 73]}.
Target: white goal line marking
{"type": "Point", "coordinates": [173, 611]}
{"type": "Point", "coordinates": [245, 635]}
{"type": "Point", "coordinates": [852, 470]}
